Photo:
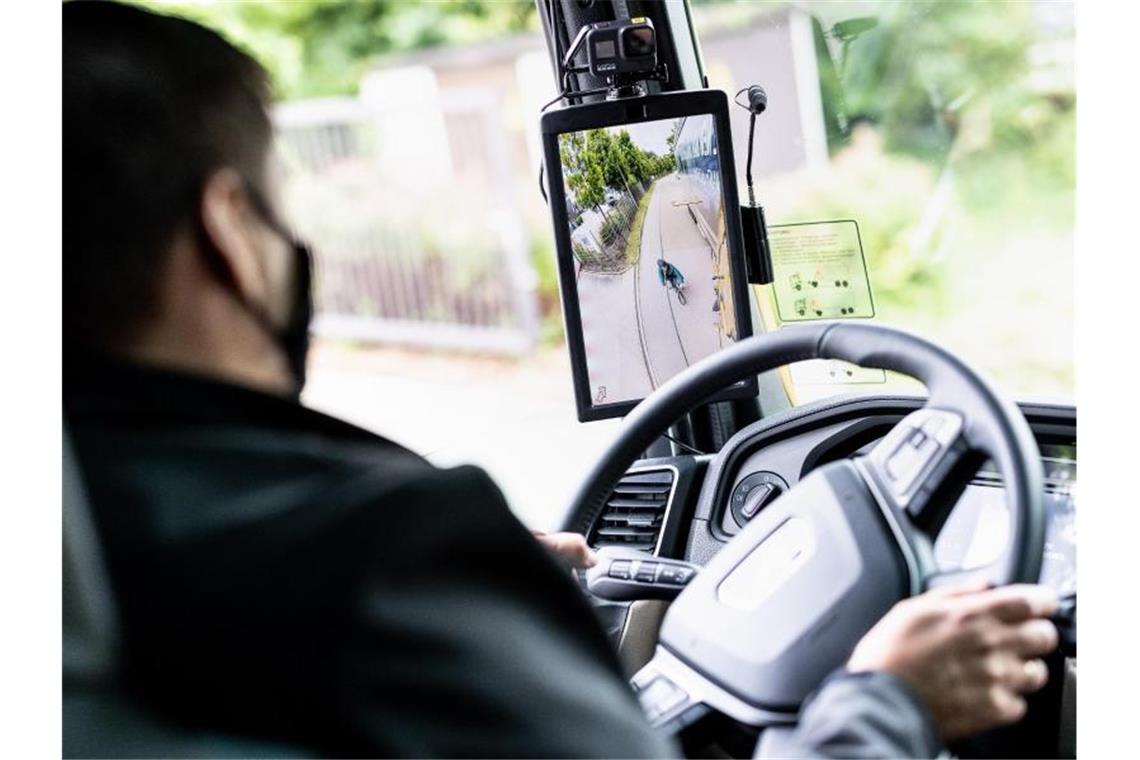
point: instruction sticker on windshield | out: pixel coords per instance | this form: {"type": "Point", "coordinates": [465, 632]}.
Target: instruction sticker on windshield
{"type": "Point", "coordinates": [819, 271]}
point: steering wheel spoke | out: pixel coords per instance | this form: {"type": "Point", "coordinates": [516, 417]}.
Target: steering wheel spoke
{"type": "Point", "coordinates": [915, 458]}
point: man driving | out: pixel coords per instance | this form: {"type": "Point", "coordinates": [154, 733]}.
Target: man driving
{"type": "Point", "coordinates": [282, 574]}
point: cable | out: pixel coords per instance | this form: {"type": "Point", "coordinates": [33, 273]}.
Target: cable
{"type": "Point", "coordinates": [683, 445]}
{"type": "Point", "coordinates": [757, 247]}
{"type": "Point", "coordinates": [574, 94]}
{"type": "Point", "coordinates": [563, 64]}
{"type": "Point", "coordinates": [556, 98]}
{"type": "Point", "coordinates": [564, 77]}
{"type": "Point", "coordinates": [756, 105]}
{"type": "Point", "coordinates": [748, 165]}
{"type": "Point", "coordinates": [563, 71]}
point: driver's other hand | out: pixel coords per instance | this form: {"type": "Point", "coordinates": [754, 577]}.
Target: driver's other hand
{"type": "Point", "coordinates": [970, 653]}
{"type": "Point", "coordinates": [571, 547]}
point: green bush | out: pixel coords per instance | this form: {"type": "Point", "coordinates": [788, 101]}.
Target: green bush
{"type": "Point", "coordinates": [545, 264]}
{"type": "Point", "coordinates": [887, 196]}
{"type": "Point", "coordinates": [614, 228]}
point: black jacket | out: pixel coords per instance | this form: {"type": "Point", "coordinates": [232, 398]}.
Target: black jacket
{"type": "Point", "coordinates": [285, 575]}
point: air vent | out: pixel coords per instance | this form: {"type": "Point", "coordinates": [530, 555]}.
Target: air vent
{"type": "Point", "coordinates": [634, 511]}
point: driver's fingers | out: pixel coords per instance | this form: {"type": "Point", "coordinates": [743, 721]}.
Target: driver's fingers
{"type": "Point", "coordinates": [1008, 706]}
{"type": "Point", "coordinates": [1031, 676]}
{"type": "Point", "coordinates": [1012, 604]}
{"type": "Point", "coordinates": [1032, 638]}
{"type": "Point", "coordinates": [1013, 672]}
{"type": "Point", "coordinates": [571, 546]}
{"type": "Point", "coordinates": [951, 590]}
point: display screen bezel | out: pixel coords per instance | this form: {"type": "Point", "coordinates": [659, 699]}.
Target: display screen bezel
{"type": "Point", "coordinates": [635, 111]}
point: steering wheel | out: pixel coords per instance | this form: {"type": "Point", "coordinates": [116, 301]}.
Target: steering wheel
{"type": "Point", "coordinates": [786, 600]}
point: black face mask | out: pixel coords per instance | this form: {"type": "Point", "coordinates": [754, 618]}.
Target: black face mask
{"type": "Point", "coordinates": [293, 338]}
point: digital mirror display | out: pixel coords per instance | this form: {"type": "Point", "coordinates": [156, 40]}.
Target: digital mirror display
{"type": "Point", "coordinates": [645, 210]}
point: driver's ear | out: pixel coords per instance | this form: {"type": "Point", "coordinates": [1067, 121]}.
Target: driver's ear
{"type": "Point", "coordinates": [227, 219]}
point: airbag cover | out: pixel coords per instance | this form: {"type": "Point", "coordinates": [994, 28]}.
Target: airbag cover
{"type": "Point", "coordinates": [787, 599]}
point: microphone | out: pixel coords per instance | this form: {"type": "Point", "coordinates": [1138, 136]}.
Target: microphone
{"type": "Point", "coordinates": [757, 99]}
{"type": "Point", "coordinates": [757, 104]}
{"type": "Point", "coordinates": [757, 249]}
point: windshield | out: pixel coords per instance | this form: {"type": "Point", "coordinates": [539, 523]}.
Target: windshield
{"type": "Point", "coordinates": [409, 142]}
{"type": "Point", "coordinates": [946, 130]}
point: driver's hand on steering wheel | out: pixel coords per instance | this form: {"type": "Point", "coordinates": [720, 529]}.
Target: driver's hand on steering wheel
{"type": "Point", "coordinates": [970, 653]}
{"type": "Point", "coordinates": [569, 547]}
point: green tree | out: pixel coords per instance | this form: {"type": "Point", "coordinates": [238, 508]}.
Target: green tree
{"type": "Point", "coordinates": [583, 167]}
{"type": "Point", "coordinates": [638, 162]}
{"type": "Point", "coordinates": [924, 68]}
{"type": "Point", "coordinates": [581, 171]}
{"type": "Point", "coordinates": [599, 149]}
{"type": "Point", "coordinates": [317, 48]}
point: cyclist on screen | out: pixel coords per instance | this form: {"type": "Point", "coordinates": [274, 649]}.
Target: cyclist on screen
{"type": "Point", "coordinates": [669, 274]}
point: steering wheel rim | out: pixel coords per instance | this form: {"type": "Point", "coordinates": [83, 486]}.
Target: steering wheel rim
{"type": "Point", "coordinates": [990, 424]}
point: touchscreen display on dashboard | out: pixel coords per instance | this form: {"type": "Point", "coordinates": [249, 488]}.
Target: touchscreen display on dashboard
{"type": "Point", "coordinates": [977, 532]}
{"type": "Point", "coordinates": [653, 270]}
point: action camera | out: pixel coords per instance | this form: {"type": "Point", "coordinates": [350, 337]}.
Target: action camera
{"type": "Point", "coordinates": [625, 46]}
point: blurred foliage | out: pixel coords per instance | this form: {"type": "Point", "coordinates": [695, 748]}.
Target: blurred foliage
{"type": "Point", "coordinates": [886, 195]}
{"type": "Point", "coordinates": [953, 86]}
{"type": "Point", "coordinates": [316, 48]}
{"type": "Point", "coordinates": [546, 269]}
{"type": "Point", "coordinates": [944, 77]}
{"type": "Point", "coordinates": [952, 132]}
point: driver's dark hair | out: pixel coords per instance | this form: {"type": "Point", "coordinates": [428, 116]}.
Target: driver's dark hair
{"type": "Point", "coordinates": [152, 104]}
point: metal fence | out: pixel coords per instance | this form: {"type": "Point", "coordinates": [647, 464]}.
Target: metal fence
{"type": "Point", "coordinates": [450, 270]}
{"type": "Point", "coordinates": [600, 236]}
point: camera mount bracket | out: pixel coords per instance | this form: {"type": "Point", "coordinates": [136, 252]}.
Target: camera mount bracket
{"type": "Point", "coordinates": [631, 85]}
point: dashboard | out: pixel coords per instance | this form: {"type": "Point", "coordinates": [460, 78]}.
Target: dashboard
{"type": "Point", "coordinates": [772, 455]}
{"type": "Point", "coordinates": [975, 534]}
{"type": "Point", "coordinates": [690, 507]}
